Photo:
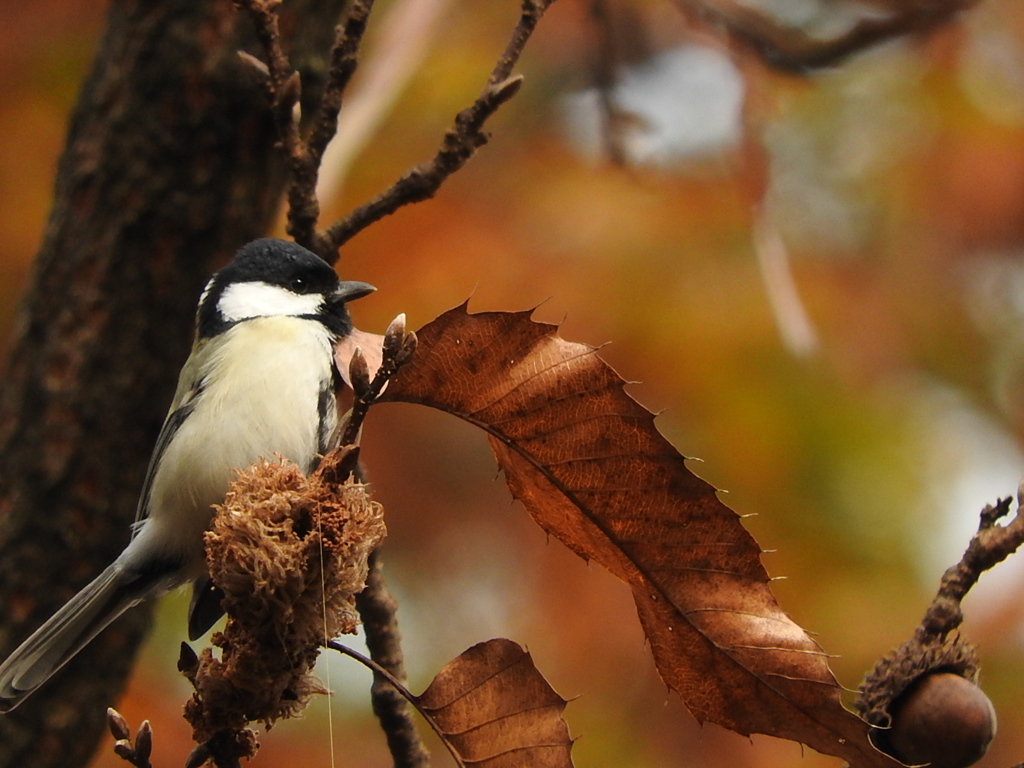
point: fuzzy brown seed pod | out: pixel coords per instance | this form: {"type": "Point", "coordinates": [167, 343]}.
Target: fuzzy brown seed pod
{"type": "Point", "coordinates": [290, 554]}
{"type": "Point", "coordinates": [901, 667]}
{"type": "Point", "coordinates": [925, 702]}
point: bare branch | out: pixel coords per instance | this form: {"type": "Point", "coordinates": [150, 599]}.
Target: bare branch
{"type": "Point", "coordinates": [532, 11]}
{"type": "Point", "coordinates": [991, 545]}
{"type": "Point", "coordinates": [422, 181]}
{"type": "Point", "coordinates": [604, 60]}
{"type": "Point", "coordinates": [343, 66]}
{"type": "Point", "coordinates": [284, 89]}
{"type": "Point", "coordinates": [303, 205]}
{"type": "Point", "coordinates": [792, 50]}
{"type": "Point", "coordinates": [406, 31]}
{"type": "Point", "coordinates": [935, 645]}
{"type": "Point", "coordinates": [461, 141]}
{"type": "Point", "coordinates": [282, 81]}
{"type": "Point", "coordinates": [377, 610]}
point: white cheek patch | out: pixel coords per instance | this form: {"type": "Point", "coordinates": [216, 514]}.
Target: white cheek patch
{"type": "Point", "coordinates": [241, 301]}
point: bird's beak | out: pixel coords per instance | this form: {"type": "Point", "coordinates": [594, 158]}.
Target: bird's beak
{"type": "Point", "coordinates": [349, 290]}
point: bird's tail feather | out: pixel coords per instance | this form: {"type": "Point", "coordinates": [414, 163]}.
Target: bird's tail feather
{"type": "Point", "coordinates": [54, 644]}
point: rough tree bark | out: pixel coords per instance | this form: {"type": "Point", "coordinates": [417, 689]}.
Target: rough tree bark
{"type": "Point", "coordinates": [169, 166]}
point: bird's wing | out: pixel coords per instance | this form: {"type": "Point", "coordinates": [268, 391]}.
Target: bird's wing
{"type": "Point", "coordinates": [190, 386]}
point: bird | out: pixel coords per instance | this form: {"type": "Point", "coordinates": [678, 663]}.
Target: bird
{"type": "Point", "coordinates": [260, 383]}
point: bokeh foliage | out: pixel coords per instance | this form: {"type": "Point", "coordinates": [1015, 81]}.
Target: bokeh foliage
{"type": "Point", "coordinates": [897, 183]}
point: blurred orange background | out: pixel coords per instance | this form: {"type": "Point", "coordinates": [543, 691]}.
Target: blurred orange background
{"type": "Point", "coordinates": [861, 421]}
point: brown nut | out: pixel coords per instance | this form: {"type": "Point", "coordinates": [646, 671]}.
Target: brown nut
{"type": "Point", "coordinates": [943, 720]}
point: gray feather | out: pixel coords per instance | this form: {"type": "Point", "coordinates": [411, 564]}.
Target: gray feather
{"type": "Point", "coordinates": [52, 645]}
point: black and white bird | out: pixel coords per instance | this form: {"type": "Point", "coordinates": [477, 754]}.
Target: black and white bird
{"type": "Point", "coordinates": [260, 382]}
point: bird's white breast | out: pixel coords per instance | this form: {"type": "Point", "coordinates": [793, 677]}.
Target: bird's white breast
{"type": "Point", "coordinates": [259, 400]}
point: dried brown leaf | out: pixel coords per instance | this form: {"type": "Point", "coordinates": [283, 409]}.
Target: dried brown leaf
{"type": "Point", "coordinates": [497, 710]}
{"type": "Point", "coordinates": [591, 468]}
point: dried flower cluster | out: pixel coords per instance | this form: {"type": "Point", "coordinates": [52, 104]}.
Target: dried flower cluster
{"type": "Point", "coordinates": [290, 554]}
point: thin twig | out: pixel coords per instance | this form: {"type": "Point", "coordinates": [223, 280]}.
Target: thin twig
{"type": "Point", "coordinates": [377, 609]}
{"type": "Point", "coordinates": [531, 13]}
{"type": "Point", "coordinates": [991, 545]}
{"type": "Point", "coordinates": [303, 205]}
{"type": "Point", "coordinates": [284, 89]}
{"type": "Point", "coordinates": [404, 692]}
{"type": "Point", "coordinates": [282, 82]}
{"type": "Point", "coordinates": [461, 141]}
{"type": "Point", "coordinates": [935, 644]}
{"type": "Point", "coordinates": [792, 50]}
{"type": "Point", "coordinates": [397, 349]}
{"type": "Point", "coordinates": [791, 316]}
{"type": "Point", "coordinates": [406, 32]}
{"type": "Point", "coordinates": [605, 62]}
{"type": "Point", "coordinates": [344, 59]}
{"type": "Point", "coordinates": [421, 182]}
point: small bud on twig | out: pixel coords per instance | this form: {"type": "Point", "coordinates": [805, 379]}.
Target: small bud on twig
{"type": "Point", "coordinates": [359, 374]}
{"type": "Point", "coordinates": [254, 66]}
{"type": "Point", "coordinates": [123, 749]}
{"type": "Point", "coordinates": [394, 336]}
{"type": "Point", "coordinates": [143, 743]}
{"type": "Point", "coordinates": [118, 725]}
{"type": "Point", "coordinates": [138, 755]}
{"type": "Point", "coordinates": [397, 349]}
{"type": "Point", "coordinates": [505, 90]}
{"type": "Point", "coordinates": [188, 661]}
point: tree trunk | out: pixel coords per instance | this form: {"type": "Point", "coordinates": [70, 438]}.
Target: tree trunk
{"type": "Point", "coordinates": [169, 167]}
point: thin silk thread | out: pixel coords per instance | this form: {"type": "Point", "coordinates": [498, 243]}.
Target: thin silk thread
{"type": "Point", "coordinates": [327, 666]}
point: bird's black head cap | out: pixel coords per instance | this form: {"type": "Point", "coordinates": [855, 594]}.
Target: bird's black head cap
{"type": "Point", "coordinates": [279, 262]}
{"type": "Point", "coordinates": [286, 265]}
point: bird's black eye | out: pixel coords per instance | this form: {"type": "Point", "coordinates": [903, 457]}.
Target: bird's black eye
{"type": "Point", "coordinates": [298, 285]}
